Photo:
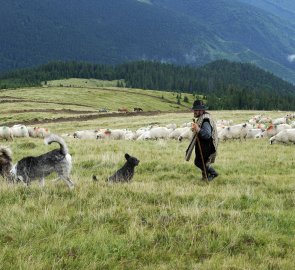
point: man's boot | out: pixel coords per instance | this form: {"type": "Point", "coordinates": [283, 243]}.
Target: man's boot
{"type": "Point", "coordinates": [211, 173]}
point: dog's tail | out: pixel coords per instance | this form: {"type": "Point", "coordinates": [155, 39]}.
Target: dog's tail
{"type": "Point", "coordinates": [5, 154]}
{"type": "Point", "coordinates": [54, 138]}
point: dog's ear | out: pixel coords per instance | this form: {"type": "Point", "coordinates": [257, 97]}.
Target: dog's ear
{"type": "Point", "coordinates": [127, 156]}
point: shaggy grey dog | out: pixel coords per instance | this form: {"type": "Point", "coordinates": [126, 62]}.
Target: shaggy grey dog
{"type": "Point", "coordinates": [58, 160]}
{"type": "Point", "coordinates": [125, 173]}
{"type": "Point", "coordinates": [5, 163]}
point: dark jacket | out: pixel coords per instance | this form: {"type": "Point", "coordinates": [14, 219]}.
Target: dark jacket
{"type": "Point", "coordinates": [206, 142]}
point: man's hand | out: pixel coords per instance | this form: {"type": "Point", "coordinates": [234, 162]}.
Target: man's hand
{"type": "Point", "coordinates": [195, 128]}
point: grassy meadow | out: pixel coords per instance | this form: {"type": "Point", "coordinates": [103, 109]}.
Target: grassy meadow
{"type": "Point", "coordinates": [166, 218]}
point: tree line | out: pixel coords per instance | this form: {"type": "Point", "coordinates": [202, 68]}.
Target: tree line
{"type": "Point", "coordinates": [224, 84]}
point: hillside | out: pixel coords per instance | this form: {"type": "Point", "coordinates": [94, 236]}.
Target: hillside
{"type": "Point", "coordinates": [74, 103]}
{"type": "Point", "coordinates": [116, 31]}
{"type": "Point", "coordinates": [227, 85]}
{"type": "Point", "coordinates": [285, 9]}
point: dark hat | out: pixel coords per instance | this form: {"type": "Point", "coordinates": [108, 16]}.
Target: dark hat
{"type": "Point", "coordinates": [198, 105]}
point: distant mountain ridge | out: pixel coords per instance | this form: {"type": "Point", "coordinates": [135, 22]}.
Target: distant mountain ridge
{"type": "Point", "coordinates": [285, 9]}
{"type": "Point", "coordinates": [117, 31]}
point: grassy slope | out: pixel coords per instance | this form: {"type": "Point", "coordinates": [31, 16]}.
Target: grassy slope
{"type": "Point", "coordinates": [166, 218]}
{"type": "Point", "coordinates": [80, 98]}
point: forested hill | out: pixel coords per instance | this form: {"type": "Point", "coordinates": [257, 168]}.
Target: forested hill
{"type": "Point", "coordinates": [227, 85]}
{"type": "Point", "coordinates": [117, 31]}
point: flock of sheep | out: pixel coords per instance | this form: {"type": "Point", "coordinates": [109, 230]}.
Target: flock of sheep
{"type": "Point", "coordinates": [9, 133]}
{"type": "Point", "coordinates": [259, 126]}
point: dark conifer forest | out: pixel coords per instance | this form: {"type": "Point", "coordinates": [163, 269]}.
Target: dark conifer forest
{"type": "Point", "coordinates": [224, 84]}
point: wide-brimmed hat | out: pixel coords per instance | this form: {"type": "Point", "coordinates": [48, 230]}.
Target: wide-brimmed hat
{"type": "Point", "coordinates": [198, 105]}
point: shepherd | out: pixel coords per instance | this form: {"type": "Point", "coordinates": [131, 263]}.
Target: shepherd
{"type": "Point", "coordinates": [204, 141]}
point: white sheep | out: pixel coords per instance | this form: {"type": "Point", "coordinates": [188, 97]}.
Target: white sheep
{"type": "Point", "coordinates": [186, 134]}
{"type": "Point", "coordinates": [141, 130]}
{"type": "Point", "coordinates": [20, 131]}
{"type": "Point", "coordinates": [85, 134]}
{"type": "Point", "coordinates": [284, 136]}
{"type": "Point", "coordinates": [6, 133]}
{"type": "Point", "coordinates": [155, 133]}
{"type": "Point", "coordinates": [254, 133]}
{"type": "Point", "coordinates": [177, 132]}
{"type": "Point", "coordinates": [234, 132]}
{"type": "Point", "coordinates": [129, 135]}
{"type": "Point", "coordinates": [113, 134]}
{"type": "Point", "coordinates": [38, 132]}
{"type": "Point", "coordinates": [273, 130]}
{"type": "Point", "coordinates": [279, 121]}
{"type": "Point", "coordinates": [171, 126]}
{"type": "Point", "coordinates": [42, 132]}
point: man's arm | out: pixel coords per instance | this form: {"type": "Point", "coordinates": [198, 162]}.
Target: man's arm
{"type": "Point", "coordinates": [205, 131]}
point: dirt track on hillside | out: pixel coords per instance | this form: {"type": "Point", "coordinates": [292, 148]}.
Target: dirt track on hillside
{"type": "Point", "coordinates": [88, 117]}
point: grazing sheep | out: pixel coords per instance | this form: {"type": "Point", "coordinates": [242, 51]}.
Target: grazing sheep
{"type": "Point", "coordinates": [39, 132]}
{"type": "Point", "coordinates": [129, 135]}
{"type": "Point", "coordinates": [171, 126]}
{"type": "Point", "coordinates": [234, 132]}
{"type": "Point", "coordinates": [85, 134]}
{"type": "Point", "coordinates": [142, 130]}
{"type": "Point", "coordinates": [177, 132]}
{"type": "Point", "coordinates": [20, 131]}
{"type": "Point", "coordinates": [273, 130]}
{"type": "Point", "coordinates": [6, 133]}
{"type": "Point", "coordinates": [284, 136]}
{"type": "Point", "coordinates": [42, 132]}
{"type": "Point", "coordinates": [155, 133]}
{"type": "Point", "coordinates": [113, 134]}
{"type": "Point", "coordinates": [186, 134]}
{"type": "Point", "coordinates": [279, 121]}
{"type": "Point", "coordinates": [253, 132]}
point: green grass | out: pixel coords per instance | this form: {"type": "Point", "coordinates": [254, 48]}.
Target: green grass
{"type": "Point", "coordinates": [88, 100]}
{"type": "Point", "coordinates": [166, 218]}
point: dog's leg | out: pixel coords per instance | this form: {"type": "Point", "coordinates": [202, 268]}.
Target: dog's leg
{"type": "Point", "coordinates": [68, 181]}
{"type": "Point", "coordinates": [27, 181]}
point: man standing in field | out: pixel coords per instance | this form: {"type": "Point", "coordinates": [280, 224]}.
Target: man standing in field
{"type": "Point", "coordinates": [206, 142]}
